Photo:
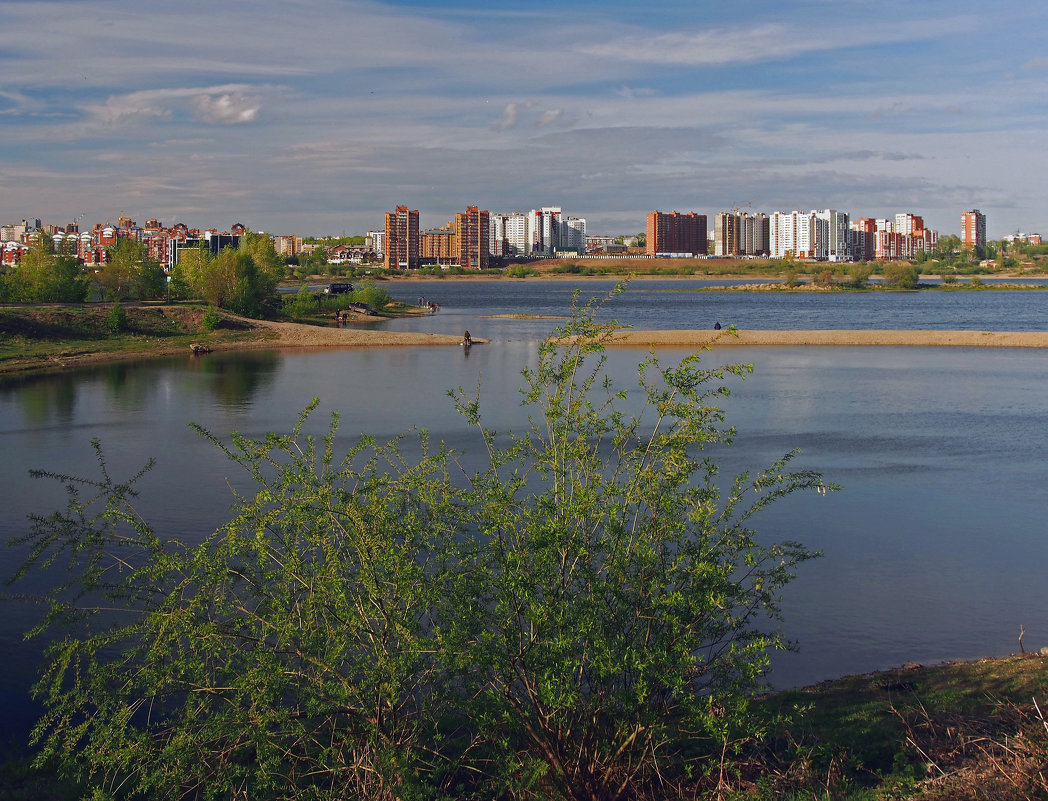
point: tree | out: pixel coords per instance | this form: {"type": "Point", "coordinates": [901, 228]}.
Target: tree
{"type": "Point", "coordinates": [243, 280]}
{"type": "Point", "coordinates": [42, 276]}
{"type": "Point", "coordinates": [901, 275]}
{"type": "Point", "coordinates": [859, 272]}
{"type": "Point", "coordinates": [130, 274]}
{"type": "Point", "coordinates": [582, 618]}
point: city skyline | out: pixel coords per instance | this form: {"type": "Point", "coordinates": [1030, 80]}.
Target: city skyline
{"type": "Point", "coordinates": [318, 117]}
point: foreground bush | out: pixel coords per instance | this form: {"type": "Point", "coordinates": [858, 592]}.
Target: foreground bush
{"type": "Point", "coordinates": [583, 618]}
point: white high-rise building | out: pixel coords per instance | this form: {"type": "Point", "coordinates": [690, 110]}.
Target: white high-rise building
{"type": "Point", "coordinates": [376, 241]}
{"type": "Point", "coordinates": [573, 235]}
{"type": "Point", "coordinates": [809, 235]}
{"type": "Point", "coordinates": [836, 246]}
{"type": "Point", "coordinates": [496, 234]}
{"type": "Point", "coordinates": [544, 230]}
{"type": "Point", "coordinates": [515, 233]}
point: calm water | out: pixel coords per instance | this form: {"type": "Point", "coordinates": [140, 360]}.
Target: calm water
{"type": "Point", "coordinates": [678, 304]}
{"type": "Point", "coordinates": [934, 550]}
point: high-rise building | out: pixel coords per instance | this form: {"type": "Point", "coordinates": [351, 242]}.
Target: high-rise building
{"type": "Point", "coordinates": [375, 241]}
{"type": "Point", "coordinates": [837, 237]}
{"type": "Point", "coordinates": [518, 242]}
{"type": "Point", "coordinates": [472, 243]}
{"type": "Point", "coordinates": [973, 229]}
{"type": "Point", "coordinates": [676, 233]}
{"type": "Point", "coordinates": [573, 235]}
{"type": "Point", "coordinates": [401, 240]}
{"type": "Point", "coordinates": [726, 234]}
{"type": "Point", "coordinates": [436, 245]}
{"type": "Point", "coordinates": [497, 244]}
{"type": "Point", "coordinates": [860, 238]}
{"type": "Point", "coordinates": [544, 230]}
{"type": "Point", "coordinates": [753, 234]}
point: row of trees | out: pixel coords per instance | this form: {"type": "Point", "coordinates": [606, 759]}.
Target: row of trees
{"type": "Point", "coordinates": [44, 276]}
{"type": "Point", "coordinates": [242, 280]}
{"type": "Point", "coordinates": [583, 616]}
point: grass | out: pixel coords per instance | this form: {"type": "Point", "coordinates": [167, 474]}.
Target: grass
{"type": "Point", "coordinates": [959, 730]}
{"type": "Point", "coordinates": [34, 338]}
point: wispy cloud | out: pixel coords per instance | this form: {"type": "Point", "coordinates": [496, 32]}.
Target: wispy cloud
{"type": "Point", "coordinates": [347, 107]}
{"type": "Point", "coordinates": [763, 43]}
{"type": "Point", "coordinates": [226, 104]}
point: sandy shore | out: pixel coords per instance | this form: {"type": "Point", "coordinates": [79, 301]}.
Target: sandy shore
{"type": "Point", "coordinates": [294, 335]}
{"type": "Point", "coordinates": [698, 339]}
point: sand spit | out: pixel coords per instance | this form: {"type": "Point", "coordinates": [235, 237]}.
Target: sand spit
{"type": "Point", "coordinates": [967, 339]}
{"type": "Point", "coordinates": [297, 335]}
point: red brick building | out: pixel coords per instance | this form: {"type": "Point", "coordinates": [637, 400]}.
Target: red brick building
{"type": "Point", "coordinates": [676, 233]}
{"type": "Point", "coordinates": [973, 229]}
{"type": "Point", "coordinates": [402, 241]}
{"type": "Point", "coordinates": [471, 240]}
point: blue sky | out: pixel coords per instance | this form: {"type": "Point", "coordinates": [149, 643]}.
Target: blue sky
{"type": "Point", "coordinates": [316, 117]}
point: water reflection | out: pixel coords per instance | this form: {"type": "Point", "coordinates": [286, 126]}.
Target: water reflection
{"type": "Point", "coordinates": [43, 401]}
{"type": "Point", "coordinates": [234, 379]}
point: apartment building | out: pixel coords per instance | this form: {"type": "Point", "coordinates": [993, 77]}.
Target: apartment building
{"type": "Point", "coordinates": [753, 234]}
{"type": "Point", "coordinates": [287, 245]}
{"type": "Point", "coordinates": [573, 235]}
{"type": "Point", "coordinates": [726, 234]}
{"type": "Point", "coordinates": [375, 241]}
{"type": "Point", "coordinates": [471, 243]}
{"type": "Point", "coordinates": [544, 230]}
{"type": "Point", "coordinates": [837, 234]}
{"type": "Point", "coordinates": [401, 240]}
{"type": "Point", "coordinates": [435, 245]}
{"type": "Point", "coordinates": [676, 233]}
{"type": "Point", "coordinates": [973, 229]}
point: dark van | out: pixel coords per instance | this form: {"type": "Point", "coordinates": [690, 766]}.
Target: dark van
{"type": "Point", "coordinates": [338, 289]}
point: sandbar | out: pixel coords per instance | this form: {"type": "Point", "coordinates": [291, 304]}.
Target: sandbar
{"type": "Point", "coordinates": [297, 335]}
{"type": "Point", "coordinates": [842, 337]}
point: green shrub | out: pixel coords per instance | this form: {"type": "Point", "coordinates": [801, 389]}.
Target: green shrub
{"type": "Point", "coordinates": [592, 601]}
{"type": "Point", "coordinates": [211, 319]}
{"type": "Point", "coordinates": [900, 275]}
{"type": "Point", "coordinates": [116, 318]}
{"type": "Point", "coordinates": [374, 296]}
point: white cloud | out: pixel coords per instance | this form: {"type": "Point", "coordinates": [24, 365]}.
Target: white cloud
{"type": "Point", "coordinates": [549, 117]}
{"type": "Point", "coordinates": [228, 107]}
{"type": "Point", "coordinates": [226, 104]}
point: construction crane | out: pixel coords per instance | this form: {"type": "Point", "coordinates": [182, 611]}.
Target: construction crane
{"type": "Point", "coordinates": [736, 207]}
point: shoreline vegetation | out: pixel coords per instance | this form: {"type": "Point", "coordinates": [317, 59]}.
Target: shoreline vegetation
{"type": "Point", "coordinates": [959, 729]}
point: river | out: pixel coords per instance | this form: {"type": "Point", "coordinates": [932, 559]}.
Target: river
{"type": "Point", "coordinates": [934, 549]}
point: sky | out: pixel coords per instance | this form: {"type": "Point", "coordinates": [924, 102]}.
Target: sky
{"type": "Point", "coordinates": [316, 117]}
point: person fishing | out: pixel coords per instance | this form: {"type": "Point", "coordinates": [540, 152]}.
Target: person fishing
{"type": "Point", "coordinates": [467, 340]}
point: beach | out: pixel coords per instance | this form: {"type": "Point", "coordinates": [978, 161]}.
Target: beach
{"type": "Point", "coordinates": [296, 335]}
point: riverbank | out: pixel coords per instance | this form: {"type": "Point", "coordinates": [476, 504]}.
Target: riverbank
{"type": "Point", "coordinates": [52, 338]}
{"type": "Point", "coordinates": [914, 733]}
{"type": "Point", "coordinates": [55, 338]}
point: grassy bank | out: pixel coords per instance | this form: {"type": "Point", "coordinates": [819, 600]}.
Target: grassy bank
{"type": "Point", "coordinates": [36, 338]}
{"type": "Point", "coordinates": [959, 730]}
{"type": "Point", "coordinates": [968, 730]}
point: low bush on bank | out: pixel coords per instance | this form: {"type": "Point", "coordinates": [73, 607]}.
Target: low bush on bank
{"type": "Point", "coordinates": [585, 616]}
